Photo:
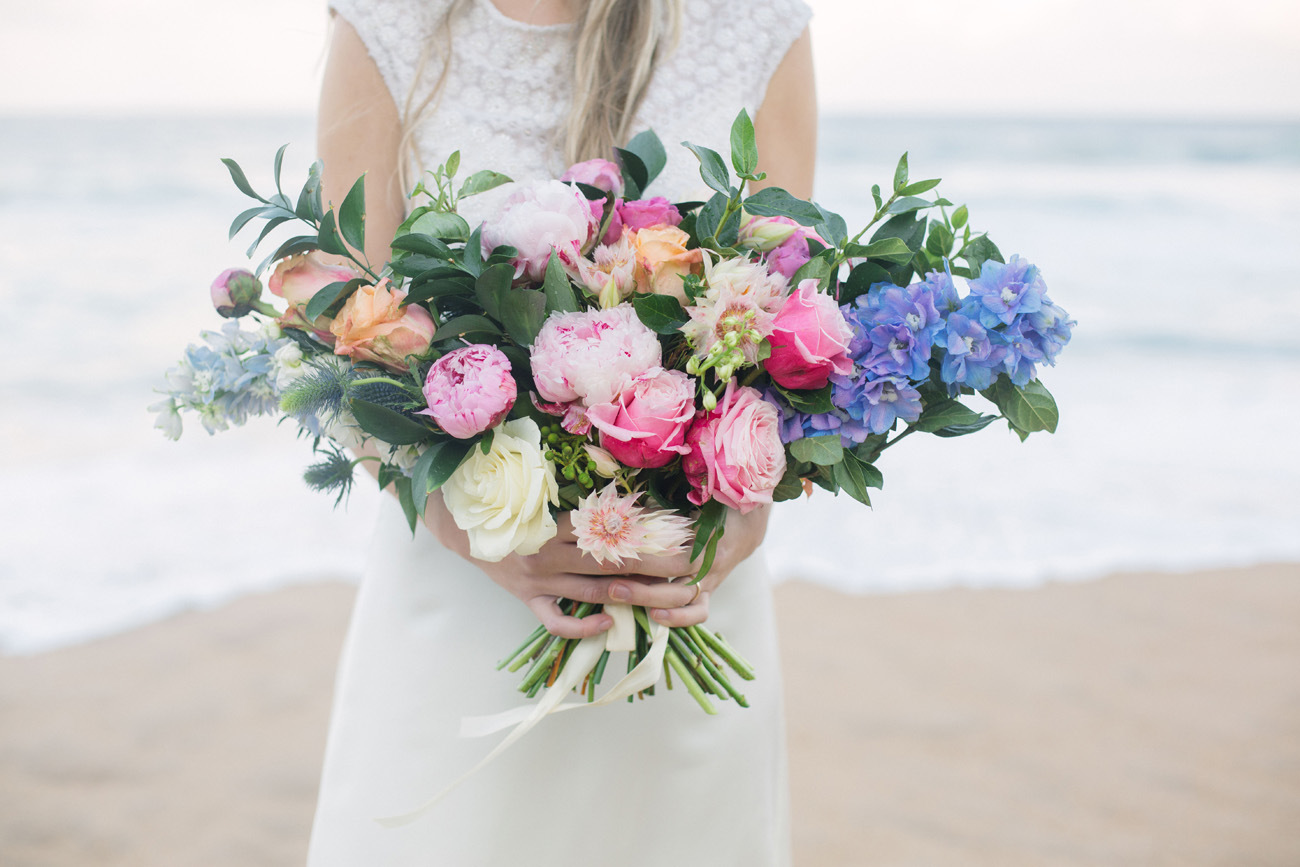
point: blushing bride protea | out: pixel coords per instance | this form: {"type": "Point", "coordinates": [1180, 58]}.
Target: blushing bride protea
{"type": "Point", "coordinates": [613, 528]}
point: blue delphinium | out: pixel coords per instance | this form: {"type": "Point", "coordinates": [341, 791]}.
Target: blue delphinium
{"type": "Point", "coordinates": [796, 425]}
{"type": "Point", "coordinates": [1004, 291]}
{"type": "Point", "coordinates": [875, 403]}
{"type": "Point", "coordinates": [972, 357]}
{"type": "Point", "coordinates": [894, 329]}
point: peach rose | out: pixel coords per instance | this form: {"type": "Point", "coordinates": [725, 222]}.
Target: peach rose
{"type": "Point", "coordinates": [662, 260]}
{"type": "Point", "coordinates": [296, 279]}
{"type": "Point", "coordinates": [374, 326]}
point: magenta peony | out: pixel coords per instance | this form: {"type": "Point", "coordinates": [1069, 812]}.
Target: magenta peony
{"type": "Point", "coordinates": [598, 173]}
{"type": "Point", "coordinates": [646, 424]}
{"type": "Point", "coordinates": [469, 390]}
{"type": "Point", "coordinates": [736, 453]}
{"type": "Point", "coordinates": [589, 357]}
{"type": "Point", "coordinates": [539, 218]}
{"type": "Point", "coordinates": [809, 340]}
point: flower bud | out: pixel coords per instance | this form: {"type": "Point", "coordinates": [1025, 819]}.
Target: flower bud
{"type": "Point", "coordinates": [766, 233]}
{"type": "Point", "coordinates": [602, 460]}
{"type": "Point", "coordinates": [710, 401]}
{"type": "Point", "coordinates": [234, 292]}
{"type": "Point", "coordinates": [610, 296]}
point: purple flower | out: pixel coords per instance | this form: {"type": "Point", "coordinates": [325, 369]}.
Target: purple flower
{"type": "Point", "coordinates": [894, 328]}
{"type": "Point", "coordinates": [1006, 291]}
{"type": "Point", "coordinates": [876, 403]}
{"type": "Point", "coordinates": [795, 425]}
{"type": "Point", "coordinates": [973, 357]}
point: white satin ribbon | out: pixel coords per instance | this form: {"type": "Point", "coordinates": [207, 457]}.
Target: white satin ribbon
{"type": "Point", "coordinates": [583, 660]}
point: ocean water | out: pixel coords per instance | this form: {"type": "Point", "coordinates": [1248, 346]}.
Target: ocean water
{"type": "Point", "coordinates": [1172, 244]}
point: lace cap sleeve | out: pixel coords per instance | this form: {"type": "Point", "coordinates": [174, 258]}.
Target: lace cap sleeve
{"type": "Point", "coordinates": [394, 33]}
{"type": "Point", "coordinates": [737, 48]}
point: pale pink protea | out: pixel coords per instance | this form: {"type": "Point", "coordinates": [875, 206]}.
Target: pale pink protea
{"type": "Point", "coordinates": [740, 276]}
{"type": "Point", "coordinates": [609, 273]}
{"type": "Point", "coordinates": [728, 317]}
{"type": "Point", "coordinates": [613, 528]}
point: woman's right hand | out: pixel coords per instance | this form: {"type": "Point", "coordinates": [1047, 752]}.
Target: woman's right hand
{"type": "Point", "coordinates": [561, 570]}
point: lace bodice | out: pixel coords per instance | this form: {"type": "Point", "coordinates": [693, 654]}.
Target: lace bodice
{"type": "Point", "coordinates": [507, 90]}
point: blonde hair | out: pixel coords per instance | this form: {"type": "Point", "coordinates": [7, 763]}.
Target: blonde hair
{"type": "Point", "coordinates": [617, 45]}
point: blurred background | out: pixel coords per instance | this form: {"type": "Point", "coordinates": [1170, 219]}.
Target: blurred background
{"type": "Point", "coordinates": [1145, 155]}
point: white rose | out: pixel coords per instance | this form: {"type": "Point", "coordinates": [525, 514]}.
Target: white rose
{"type": "Point", "coordinates": [503, 499]}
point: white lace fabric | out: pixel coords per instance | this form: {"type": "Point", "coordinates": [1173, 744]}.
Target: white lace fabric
{"type": "Point", "coordinates": [507, 92]}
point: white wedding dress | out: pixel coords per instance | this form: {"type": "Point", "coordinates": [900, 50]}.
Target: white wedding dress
{"type": "Point", "coordinates": [652, 783]}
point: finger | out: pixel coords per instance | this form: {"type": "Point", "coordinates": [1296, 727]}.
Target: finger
{"type": "Point", "coordinates": [547, 610]}
{"type": "Point", "coordinates": [650, 592]}
{"type": "Point", "coordinates": [689, 615]}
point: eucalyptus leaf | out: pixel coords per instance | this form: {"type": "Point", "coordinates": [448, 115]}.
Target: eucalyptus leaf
{"type": "Point", "coordinates": [243, 219]}
{"type": "Point", "coordinates": [241, 181]}
{"type": "Point", "coordinates": [266, 230]}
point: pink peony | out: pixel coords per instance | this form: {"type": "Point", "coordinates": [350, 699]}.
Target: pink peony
{"type": "Point", "coordinates": [736, 453]}
{"type": "Point", "coordinates": [613, 528]}
{"type": "Point", "coordinates": [469, 390]}
{"type": "Point", "coordinates": [539, 218]}
{"type": "Point", "coordinates": [641, 214]}
{"type": "Point", "coordinates": [235, 292]}
{"type": "Point", "coordinates": [646, 424]}
{"type": "Point", "coordinates": [598, 173]}
{"type": "Point", "coordinates": [589, 357]}
{"type": "Point", "coordinates": [374, 326]}
{"type": "Point", "coordinates": [809, 340]}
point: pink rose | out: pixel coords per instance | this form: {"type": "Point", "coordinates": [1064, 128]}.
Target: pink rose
{"type": "Point", "coordinates": [736, 453]}
{"type": "Point", "coordinates": [598, 173]}
{"type": "Point", "coordinates": [809, 340]}
{"type": "Point", "coordinates": [374, 326]}
{"type": "Point", "coordinates": [641, 214]}
{"type": "Point", "coordinates": [590, 356]}
{"type": "Point", "coordinates": [537, 219]}
{"type": "Point", "coordinates": [792, 254]}
{"type": "Point", "coordinates": [646, 424]}
{"type": "Point", "coordinates": [469, 390]}
{"type": "Point", "coordinates": [298, 278]}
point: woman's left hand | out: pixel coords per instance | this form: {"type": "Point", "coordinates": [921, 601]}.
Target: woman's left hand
{"type": "Point", "coordinates": [743, 535]}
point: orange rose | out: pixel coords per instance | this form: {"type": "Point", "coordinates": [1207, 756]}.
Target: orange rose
{"type": "Point", "coordinates": [374, 326]}
{"type": "Point", "coordinates": [662, 260]}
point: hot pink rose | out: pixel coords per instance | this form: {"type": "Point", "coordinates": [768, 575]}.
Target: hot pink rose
{"type": "Point", "coordinates": [469, 390]}
{"type": "Point", "coordinates": [374, 326]}
{"type": "Point", "coordinates": [641, 214]}
{"type": "Point", "coordinates": [598, 173]}
{"type": "Point", "coordinates": [646, 424]}
{"type": "Point", "coordinates": [537, 219]}
{"type": "Point", "coordinates": [809, 340]}
{"type": "Point", "coordinates": [736, 453]}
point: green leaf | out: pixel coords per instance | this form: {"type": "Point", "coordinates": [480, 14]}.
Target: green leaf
{"type": "Point", "coordinates": [979, 251]}
{"type": "Point", "coordinates": [939, 241]}
{"type": "Point", "coordinates": [919, 187]}
{"type": "Point", "coordinates": [558, 290]}
{"type": "Point", "coordinates": [712, 169]}
{"type": "Point", "coordinates": [961, 430]}
{"type": "Point", "coordinates": [900, 174]}
{"type": "Point", "coordinates": [823, 451]}
{"type": "Point", "coordinates": [861, 279]}
{"type": "Point", "coordinates": [875, 195]}
{"type": "Point", "coordinates": [492, 286]}
{"type": "Point", "coordinates": [1029, 408]}
{"type": "Point", "coordinates": [522, 313]}
{"type": "Point", "coordinates": [402, 486]}
{"type": "Point", "coordinates": [453, 164]}
{"type": "Point", "coordinates": [291, 247]}
{"type": "Point", "coordinates": [871, 476]}
{"type": "Point", "coordinates": [438, 463]}
{"type": "Point", "coordinates": [243, 218]}
{"type": "Point", "coordinates": [662, 314]}
{"type": "Point", "coordinates": [776, 202]}
{"type": "Point", "coordinates": [237, 175]}
{"type": "Point", "coordinates": [485, 442]}
{"type": "Point", "coordinates": [744, 151]}
{"type": "Point", "coordinates": [266, 230]}
{"type": "Point", "coordinates": [352, 215]}
{"type": "Point", "coordinates": [635, 175]}
{"type": "Point", "coordinates": [709, 526]}
{"type": "Point", "coordinates": [327, 239]}
{"type": "Point", "coordinates": [848, 475]}
{"type": "Point", "coordinates": [790, 486]}
{"type": "Point", "coordinates": [481, 182]}
{"type": "Point", "coordinates": [441, 225]}
{"type": "Point", "coordinates": [907, 204]}
{"type": "Point", "coordinates": [388, 425]}
{"type": "Point", "coordinates": [467, 324]}
{"type": "Point", "coordinates": [279, 161]}
{"type": "Point", "coordinates": [816, 268]}
{"type": "Point", "coordinates": [327, 295]}
{"type": "Point", "coordinates": [650, 150]}
{"type": "Point", "coordinates": [886, 249]}
{"type": "Point", "coordinates": [811, 402]}
{"type": "Point", "coordinates": [309, 205]}
{"type": "Point", "coordinates": [942, 415]}
{"type": "Point", "coordinates": [471, 258]}
{"type": "Point", "coordinates": [832, 226]}
{"type": "Point", "coordinates": [959, 217]}
{"type": "Point", "coordinates": [709, 218]}
{"type": "Point", "coordinates": [432, 251]}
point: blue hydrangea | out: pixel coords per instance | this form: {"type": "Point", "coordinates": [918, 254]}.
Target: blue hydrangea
{"type": "Point", "coordinates": [1005, 291]}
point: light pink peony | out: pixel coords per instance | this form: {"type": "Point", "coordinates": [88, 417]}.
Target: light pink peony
{"type": "Point", "coordinates": [589, 357]}
{"type": "Point", "coordinates": [809, 340]}
{"type": "Point", "coordinates": [374, 326]}
{"type": "Point", "coordinates": [539, 218]}
{"type": "Point", "coordinates": [646, 424]}
{"type": "Point", "coordinates": [736, 453]}
{"type": "Point", "coordinates": [641, 214]}
{"type": "Point", "coordinates": [598, 173]}
{"type": "Point", "coordinates": [613, 528]}
{"type": "Point", "coordinates": [469, 390]}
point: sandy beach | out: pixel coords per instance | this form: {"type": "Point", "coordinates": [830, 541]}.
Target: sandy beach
{"type": "Point", "coordinates": [1134, 720]}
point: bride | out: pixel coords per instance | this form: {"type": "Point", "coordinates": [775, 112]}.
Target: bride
{"type": "Point", "coordinates": [527, 87]}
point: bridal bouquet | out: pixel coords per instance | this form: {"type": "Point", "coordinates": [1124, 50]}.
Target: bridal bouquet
{"type": "Point", "coordinates": [643, 364]}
